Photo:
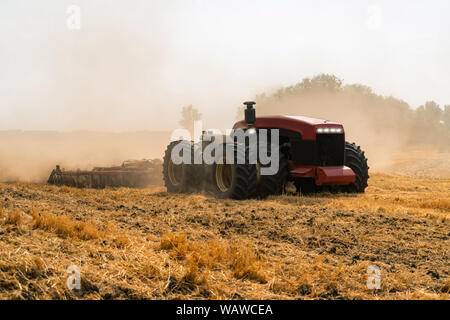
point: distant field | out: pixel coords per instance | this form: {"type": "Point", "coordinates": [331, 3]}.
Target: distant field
{"type": "Point", "coordinates": [150, 244]}
{"type": "Point", "coordinates": [420, 163]}
{"type": "Point", "coordinates": [29, 156]}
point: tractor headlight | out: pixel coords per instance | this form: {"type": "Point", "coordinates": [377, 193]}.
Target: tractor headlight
{"type": "Point", "coordinates": [329, 130]}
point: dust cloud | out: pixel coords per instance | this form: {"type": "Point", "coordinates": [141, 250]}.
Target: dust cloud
{"type": "Point", "coordinates": [29, 156]}
{"type": "Point", "coordinates": [385, 127]}
{"type": "Point", "coordinates": [98, 86]}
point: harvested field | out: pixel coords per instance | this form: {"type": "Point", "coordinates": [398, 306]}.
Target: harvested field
{"type": "Point", "coordinates": [419, 163]}
{"type": "Point", "coordinates": [146, 243]}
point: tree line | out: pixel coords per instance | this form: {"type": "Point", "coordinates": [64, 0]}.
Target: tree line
{"type": "Point", "coordinates": [367, 116]}
{"type": "Point", "coordinates": [360, 109]}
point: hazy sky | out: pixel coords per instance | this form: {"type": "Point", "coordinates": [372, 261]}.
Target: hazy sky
{"type": "Point", "coordinates": [133, 64]}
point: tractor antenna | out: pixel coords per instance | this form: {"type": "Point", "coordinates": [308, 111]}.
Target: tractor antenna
{"type": "Point", "coordinates": [250, 115]}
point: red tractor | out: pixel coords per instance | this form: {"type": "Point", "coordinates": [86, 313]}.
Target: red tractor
{"type": "Point", "coordinates": [313, 156]}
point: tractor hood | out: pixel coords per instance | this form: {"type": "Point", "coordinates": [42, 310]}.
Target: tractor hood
{"type": "Point", "coordinates": [303, 125]}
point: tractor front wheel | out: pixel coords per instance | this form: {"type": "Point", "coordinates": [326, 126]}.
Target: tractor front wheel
{"type": "Point", "coordinates": [357, 161]}
{"type": "Point", "coordinates": [272, 184]}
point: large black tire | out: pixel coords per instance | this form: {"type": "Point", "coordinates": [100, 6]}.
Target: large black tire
{"type": "Point", "coordinates": [357, 161]}
{"type": "Point", "coordinates": [241, 181]}
{"type": "Point", "coordinates": [175, 177]}
{"type": "Point", "coordinates": [273, 184]}
{"type": "Point", "coordinates": [195, 173]}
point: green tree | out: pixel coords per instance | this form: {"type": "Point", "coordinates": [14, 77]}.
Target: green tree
{"type": "Point", "coordinates": [372, 116]}
{"type": "Point", "coordinates": [322, 81]}
{"type": "Point", "coordinates": [189, 114]}
{"type": "Point", "coordinates": [446, 116]}
{"type": "Point", "coordinates": [327, 82]}
{"type": "Point", "coordinates": [432, 113]}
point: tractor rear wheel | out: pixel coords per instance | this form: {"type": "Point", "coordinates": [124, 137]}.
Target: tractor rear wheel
{"type": "Point", "coordinates": [272, 184]}
{"type": "Point", "coordinates": [174, 175]}
{"type": "Point", "coordinates": [357, 161]}
{"type": "Point", "coordinates": [194, 172]}
{"type": "Point", "coordinates": [233, 180]}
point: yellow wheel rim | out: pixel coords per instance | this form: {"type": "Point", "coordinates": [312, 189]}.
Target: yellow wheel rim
{"type": "Point", "coordinates": [224, 176]}
{"type": "Point", "coordinates": [175, 172]}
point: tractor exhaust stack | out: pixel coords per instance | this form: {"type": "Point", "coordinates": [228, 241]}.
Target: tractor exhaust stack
{"type": "Point", "coordinates": [250, 114]}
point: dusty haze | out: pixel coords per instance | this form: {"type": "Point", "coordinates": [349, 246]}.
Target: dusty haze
{"type": "Point", "coordinates": [30, 156]}
{"type": "Point", "coordinates": [132, 66]}
{"type": "Point", "coordinates": [384, 126]}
